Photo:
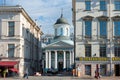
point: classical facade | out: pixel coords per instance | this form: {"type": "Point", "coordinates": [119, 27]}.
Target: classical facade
{"type": "Point", "coordinates": [19, 41]}
{"type": "Point", "coordinates": [97, 36]}
{"type": "Point", "coordinates": [59, 55]}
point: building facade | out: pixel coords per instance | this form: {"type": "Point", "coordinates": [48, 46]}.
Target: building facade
{"type": "Point", "coordinates": [97, 36]}
{"type": "Point", "coordinates": [20, 37]}
{"type": "Point", "coordinates": [47, 38]}
{"type": "Point", "coordinates": [59, 55]}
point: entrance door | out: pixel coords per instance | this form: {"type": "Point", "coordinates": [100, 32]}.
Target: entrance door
{"type": "Point", "coordinates": [117, 70]}
{"type": "Point", "coordinates": [60, 66]}
{"type": "Point", "coordinates": [87, 69]}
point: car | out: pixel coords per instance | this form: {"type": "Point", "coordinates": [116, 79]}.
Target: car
{"type": "Point", "coordinates": [52, 71]}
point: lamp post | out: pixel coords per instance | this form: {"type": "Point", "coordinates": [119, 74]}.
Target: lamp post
{"type": "Point", "coordinates": [110, 41]}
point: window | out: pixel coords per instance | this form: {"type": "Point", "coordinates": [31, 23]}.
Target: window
{"type": "Point", "coordinates": [117, 50]}
{"type": "Point", "coordinates": [117, 28]}
{"type": "Point", "coordinates": [61, 30]}
{"type": "Point", "coordinates": [88, 5]}
{"type": "Point", "coordinates": [11, 28]}
{"type": "Point", "coordinates": [88, 50]}
{"type": "Point", "coordinates": [102, 5]}
{"type": "Point", "coordinates": [103, 29]}
{"type": "Point", "coordinates": [103, 68]}
{"type": "Point", "coordinates": [55, 32]}
{"type": "Point", "coordinates": [102, 50]}
{"type": "Point", "coordinates": [117, 5]}
{"type": "Point", "coordinates": [11, 48]}
{"type": "Point", "coordinates": [88, 28]}
{"type": "Point", "coordinates": [67, 31]}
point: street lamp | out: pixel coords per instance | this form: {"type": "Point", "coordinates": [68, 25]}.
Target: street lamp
{"type": "Point", "coordinates": [110, 41]}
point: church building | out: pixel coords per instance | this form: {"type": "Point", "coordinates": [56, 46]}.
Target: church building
{"type": "Point", "coordinates": [59, 55]}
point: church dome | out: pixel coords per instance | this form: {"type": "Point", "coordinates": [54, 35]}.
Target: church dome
{"type": "Point", "coordinates": [61, 20]}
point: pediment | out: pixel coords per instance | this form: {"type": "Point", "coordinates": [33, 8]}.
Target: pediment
{"type": "Point", "coordinates": [59, 44]}
{"type": "Point", "coordinates": [88, 17]}
{"type": "Point", "coordinates": [116, 18]}
{"type": "Point", "coordinates": [103, 18]}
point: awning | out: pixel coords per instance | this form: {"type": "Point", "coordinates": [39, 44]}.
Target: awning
{"type": "Point", "coordinates": [14, 69]}
{"type": "Point", "coordinates": [8, 63]}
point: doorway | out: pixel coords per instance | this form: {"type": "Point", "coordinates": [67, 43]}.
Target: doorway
{"type": "Point", "coordinates": [117, 70]}
{"type": "Point", "coordinates": [88, 70]}
{"type": "Point", "coordinates": [60, 66]}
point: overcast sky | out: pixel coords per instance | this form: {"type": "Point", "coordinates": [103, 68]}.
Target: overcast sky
{"type": "Point", "coordinates": [46, 12]}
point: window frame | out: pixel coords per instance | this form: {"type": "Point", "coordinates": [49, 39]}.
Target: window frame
{"type": "Point", "coordinates": [11, 55]}
{"type": "Point", "coordinates": [117, 5]}
{"type": "Point", "coordinates": [103, 6]}
{"type": "Point", "coordinates": [88, 28]}
{"type": "Point", "coordinates": [103, 50]}
{"type": "Point", "coordinates": [88, 50]}
{"type": "Point", "coordinates": [103, 25]}
{"type": "Point", "coordinates": [117, 50]}
{"type": "Point", "coordinates": [117, 28]}
{"type": "Point", "coordinates": [11, 28]}
{"type": "Point", "coordinates": [88, 5]}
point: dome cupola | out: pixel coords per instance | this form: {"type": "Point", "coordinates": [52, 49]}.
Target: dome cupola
{"type": "Point", "coordinates": [61, 20]}
{"type": "Point", "coordinates": [62, 29]}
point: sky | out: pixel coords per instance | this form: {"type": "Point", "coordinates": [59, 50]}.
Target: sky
{"type": "Point", "coordinates": [45, 12]}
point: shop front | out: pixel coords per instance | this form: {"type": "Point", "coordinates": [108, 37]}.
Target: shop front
{"type": "Point", "coordinates": [8, 68]}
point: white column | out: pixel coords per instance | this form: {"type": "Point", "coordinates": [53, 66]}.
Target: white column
{"type": "Point", "coordinates": [72, 56]}
{"type": "Point", "coordinates": [70, 59]}
{"type": "Point", "coordinates": [55, 59]}
{"type": "Point", "coordinates": [83, 28]}
{"type": "Point", "coordinates": [64, 59]}
{"type": "Point", "coordinates": [46, 59]}
{"type": "Point", "coordinates": [49, 59]}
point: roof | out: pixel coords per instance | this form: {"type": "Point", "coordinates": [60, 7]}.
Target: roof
{"type": "Point", "coordinates": [20, 9]}
{"type": "Point", "coordinates": [61, 20]}
{"type": "Point", "coordinates": [57, 38]}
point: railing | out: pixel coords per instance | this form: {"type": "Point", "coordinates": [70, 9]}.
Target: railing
{"type": "Point", "coordinates": [97, 59]}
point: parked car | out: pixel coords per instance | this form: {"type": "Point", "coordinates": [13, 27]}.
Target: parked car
{"type": "Point", "coordinates": [53, 71]}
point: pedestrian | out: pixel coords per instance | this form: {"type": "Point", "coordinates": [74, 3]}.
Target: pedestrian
{"type": "Point", "coordinates": [5, 71]}
{"type": "Point", "coordinates": [0, 73]}
{"type": "Point", "coordinates": [73, 72]}
{"type": "Point", "coordinates": [26, 74]}
{"type": "Point", "coordinates": [97, 75]}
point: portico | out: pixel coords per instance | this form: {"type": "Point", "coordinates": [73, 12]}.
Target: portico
{"type": "Point", "coordinates": [59, 59]}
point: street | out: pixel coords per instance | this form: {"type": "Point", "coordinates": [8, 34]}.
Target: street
{"type": "Point", "coordinates": [60, 78]}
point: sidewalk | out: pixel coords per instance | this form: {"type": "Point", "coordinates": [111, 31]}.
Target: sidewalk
{"type": "Point", "coordinates": [102, 78]}
{"type": "Point", "coordinates": [60, 78]}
